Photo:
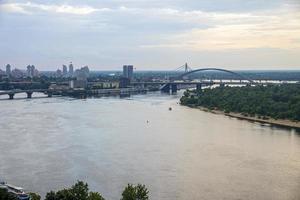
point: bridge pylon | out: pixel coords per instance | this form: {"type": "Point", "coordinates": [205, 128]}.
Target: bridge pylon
{"type": "Point", "coordinates": [187, 68]}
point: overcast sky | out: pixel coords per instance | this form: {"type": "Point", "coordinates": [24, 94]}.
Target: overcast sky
{"type": "Point", "coordinates": [151, 34]}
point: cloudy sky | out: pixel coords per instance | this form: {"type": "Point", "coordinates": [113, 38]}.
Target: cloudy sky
{"type": "Point", "coordinates": [151, 34]}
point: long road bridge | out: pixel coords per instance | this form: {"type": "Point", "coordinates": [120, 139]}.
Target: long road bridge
{"type": "Point", "coordinates": [78, 92]}
{"type": "Point", "coordinates": [11, 93]}
{"type": "Point", "coordinates": [174, 82]}
{"type": "Point", "coordinates": [173, 86]}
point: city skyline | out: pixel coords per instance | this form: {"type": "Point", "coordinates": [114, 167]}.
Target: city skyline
{"type": "Point", "coordinates": [151, 35]}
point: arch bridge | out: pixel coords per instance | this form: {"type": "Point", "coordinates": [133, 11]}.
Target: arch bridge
{"type": "Point", "coordinates": [173, 85]}
{"type": "Point", "coordinates": [216, 69]}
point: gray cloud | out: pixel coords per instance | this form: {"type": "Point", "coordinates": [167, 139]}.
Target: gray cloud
{"type": "Point", "coordinates": [108, 33]}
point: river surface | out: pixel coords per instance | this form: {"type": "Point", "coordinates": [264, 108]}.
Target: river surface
{"type": "Point", "coordinates": [182, 154]}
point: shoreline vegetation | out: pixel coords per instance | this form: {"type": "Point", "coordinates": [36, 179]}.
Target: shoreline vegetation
{"type": "Point", "coordinates": [80, 191]}
{"type": "Point", "coordinates": [274, 122]}
{"type": "Point", "coordinates": [273, 105]}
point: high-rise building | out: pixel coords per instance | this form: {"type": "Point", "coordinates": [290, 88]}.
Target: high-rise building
{"type": "Point", "coordinates": [81, 78]}
{"type": "Point", "coordinates": [86, 70]}
{"type": "Point", "coordinates": [29, 71]}
{"type": "Point", "coordinates": [128, 71]}
{"type": "Point", "coordinates": [17, 73]}
{"type": "Point", "coordinates": [32, 70]}
{"type": "Point", "coordinates": [71, 69]}
{"type": "Point", "coordinates": [82, 73]}
{"type": "Point", "coordinates": [65, 70]}
{"type": "Point", "coordinates": [8, 70]}
{"type": "Point", "coordinates": [58, 73]}
{"type": "Point", "coordinates": [125, 71]}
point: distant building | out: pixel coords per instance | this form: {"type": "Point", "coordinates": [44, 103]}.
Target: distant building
{"type": "Point", "coordinates": [128, 71]}
{"type": "Point", "coordinates": [29, 71]}
{"type": "Point", "coordinates": [16, 73]}
{"type": "Point", "coordinates": [32, 71]}
{"type": "Point", "coordinates": [8, 70]}
{"type": "Point", "coordinates": [124, 82]}
{"type": "Point", "coordinates": [81, 75]}
{"type": "Point", "coordinates": [71, 69]}
{"type": "Point", "coordinates": [106, 85]}
{"type": "Point", "coordinates": [86, 70]}
{"type": "Point", "coordinates": [2, 73]}
{"type": "Point", "coordinates": [65, 71]}
{"type": "Point", "coordinates": [77, 84]}
{"type": "Point", "coordinates": [58, 73]}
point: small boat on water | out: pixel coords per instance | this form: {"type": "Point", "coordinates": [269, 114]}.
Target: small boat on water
{"type": "Point", "coordinates": [14, 190]}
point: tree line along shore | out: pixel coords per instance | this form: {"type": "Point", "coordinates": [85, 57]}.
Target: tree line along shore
{"type": "Point", "coordinates": [273, 104]}
{"type": "Point", "coordinates": [80, 191]}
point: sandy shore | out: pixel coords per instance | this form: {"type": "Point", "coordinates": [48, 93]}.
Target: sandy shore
{"type": "Point", "coordinates": [278, 122]}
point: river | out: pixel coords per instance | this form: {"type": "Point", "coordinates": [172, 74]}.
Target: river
{"type": "Point", "coordinates": [182, 154]}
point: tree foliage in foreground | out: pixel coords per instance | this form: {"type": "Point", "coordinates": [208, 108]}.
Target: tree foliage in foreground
{"type": "Point", "coordinates": [275, 101]}
{"type": "Point", "coordinates": [34, 196]}
{"type": "Point", "coordinates": [79, 191]}
{"type": "Point", "coordinates": [4, 195]}
{"type": "Point", "coordinates": [138, 192]}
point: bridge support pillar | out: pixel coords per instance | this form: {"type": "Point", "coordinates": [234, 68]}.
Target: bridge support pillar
{"type": "Point", "coordinates": [166, 88]}
{"type": "Point", "coordinates": [29, 95]}
{"type": "Point", "coordinates": [199, 86]}
{"type": "Point", "coordinates": [174, 88]}
{"type": "Point", "coordinates": [11, 95]}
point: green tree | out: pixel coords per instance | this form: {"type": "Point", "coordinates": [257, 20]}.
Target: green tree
{"type": "Point", "coordinates": [79, 191]}
{"type": "Point", "coordinates": [139, 192]}
{"type": "Point", "coordinates": [5, 195]}
{"type": "Point", "coordinates": [50, 196]}
{"type": "Point", "coordinates": [34, 196]}
{"type": "Point", "coordinates": [129, 193]}
{"type": "Point", "coordinates": [65, 194]}
{"type": "Point", "coordinates": [95, 196]}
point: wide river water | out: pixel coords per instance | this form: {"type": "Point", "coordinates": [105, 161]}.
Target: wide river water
{"type": "Point", "coordinates": [182, 154]}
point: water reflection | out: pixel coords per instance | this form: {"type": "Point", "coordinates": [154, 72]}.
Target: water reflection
{"type": "Point", "coordinates": [48, 143]}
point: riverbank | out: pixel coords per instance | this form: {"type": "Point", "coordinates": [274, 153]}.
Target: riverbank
{"type": "Point", "coordinates": [275, 122]}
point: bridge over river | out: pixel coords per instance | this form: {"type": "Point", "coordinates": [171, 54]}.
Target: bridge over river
{"type": "Point", "coordinates": [78, 93]}
{"type": "Point", "coordinates": [175, 82]}
{"type": "Point", "coordinates": [11, 93]}
{"type": "Point", "coordinates": [171, 85]}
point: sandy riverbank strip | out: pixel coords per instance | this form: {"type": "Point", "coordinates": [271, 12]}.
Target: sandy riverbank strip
{"type": "Point", "coordinates": [275, 122]}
